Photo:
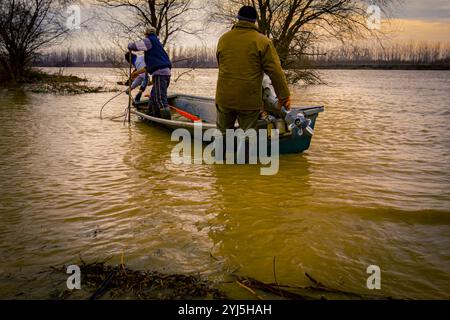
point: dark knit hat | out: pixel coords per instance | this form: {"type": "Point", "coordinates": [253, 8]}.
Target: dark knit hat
{"type": "Point", "coordinates": [248, 13]}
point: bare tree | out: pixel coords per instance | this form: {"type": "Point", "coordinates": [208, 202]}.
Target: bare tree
{"type": "Point", "coordinates": [169, 17]}
{"type": "Point", "coordinates": [297, 26]}
{"type": "Point", "coordinates": [26, 27]}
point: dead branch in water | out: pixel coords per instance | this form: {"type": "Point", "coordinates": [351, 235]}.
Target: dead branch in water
{"type": "Point", "coordinates": [119, 281]}
{"type": "Point", "coordinates": [254, 284]}
{"type": "Point", "coordinates": [275, 275]}
{"type": "Point", "coordinates": [315, 292]}
{"type": "Point", "coordinates": [249, 290]}
{"type": "Point", "coordinates": [182, 74]}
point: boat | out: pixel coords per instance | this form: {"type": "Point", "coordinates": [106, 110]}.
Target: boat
{"type": "Point", "coordinates": [204, 108]}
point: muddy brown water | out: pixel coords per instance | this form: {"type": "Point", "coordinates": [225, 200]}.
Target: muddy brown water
{"type": "Point", "coordinates": [374, 189]}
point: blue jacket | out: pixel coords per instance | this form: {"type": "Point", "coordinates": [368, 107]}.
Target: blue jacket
{"type": "Point", "coordinates": [156, 57]}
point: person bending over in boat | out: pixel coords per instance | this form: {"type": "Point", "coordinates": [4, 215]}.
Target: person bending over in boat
{"type": "Point", "coordinates": [142, 80]}
{"type": "Point", "coordinates": [244, 55]}
{"type": "Point", "coordinates": [159, 66]}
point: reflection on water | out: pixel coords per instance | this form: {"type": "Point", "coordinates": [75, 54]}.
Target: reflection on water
{"type": "Point", "coordinates": [373, 189]}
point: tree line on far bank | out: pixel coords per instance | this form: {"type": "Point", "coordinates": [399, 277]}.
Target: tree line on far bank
{"type": "Point", "coordinates": [407, 55]}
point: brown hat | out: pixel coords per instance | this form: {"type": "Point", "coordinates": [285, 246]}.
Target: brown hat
{"type": "Point", "coordinates": [150, 30]}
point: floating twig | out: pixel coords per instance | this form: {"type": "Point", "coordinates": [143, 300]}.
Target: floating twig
{"type": "Point", "coordinates": [249, 290]}
{"type": "Point", "coordinates": [103, 287]}
{"type": "Point", "coordinates": [258, 285]}
{"type": "Point", "coordinates": [275, 275]}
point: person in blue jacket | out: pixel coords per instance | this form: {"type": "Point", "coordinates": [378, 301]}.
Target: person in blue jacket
{"type": "Point", "coordinates": [158, 65]}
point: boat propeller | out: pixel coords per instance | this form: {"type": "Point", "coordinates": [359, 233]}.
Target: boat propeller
{"type": "Point", "coordinates": [297, 120]}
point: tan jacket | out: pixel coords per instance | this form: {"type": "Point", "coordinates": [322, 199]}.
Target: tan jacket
{"type": "Point", "coordinates": [244, 55]}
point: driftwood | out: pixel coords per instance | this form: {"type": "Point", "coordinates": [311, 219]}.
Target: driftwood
{"type": "Point", "coordinates": [274, 289]}
{"type": "Point", "coordinates": [315, 292]}
{"type": "Point", "coordinates": [120, 281]}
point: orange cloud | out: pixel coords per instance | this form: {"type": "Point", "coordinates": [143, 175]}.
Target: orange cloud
{"type": "Point", "coordinates": [419, 30]}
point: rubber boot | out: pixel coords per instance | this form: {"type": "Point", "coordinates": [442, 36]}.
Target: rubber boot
{"type": "Point", "coordinates": [165, 113]}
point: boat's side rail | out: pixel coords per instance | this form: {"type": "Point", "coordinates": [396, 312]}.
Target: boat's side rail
{"type": "Point", "coordinates": [310, 111]}
{"type": "Point", "coordinates": [172, 123]}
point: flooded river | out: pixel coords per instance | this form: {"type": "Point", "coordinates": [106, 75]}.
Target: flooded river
{"type": "Point", "coordinates": [374, 189]}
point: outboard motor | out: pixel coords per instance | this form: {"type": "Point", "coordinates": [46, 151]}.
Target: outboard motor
{"type": "Point", "coordinates": [295, 120]}
{"type": "Point", "coordinates": [299, 121]}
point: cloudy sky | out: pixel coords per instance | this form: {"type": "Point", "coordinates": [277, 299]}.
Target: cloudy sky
{"type": "Point", "coordinates": [412, 20]}
{"type": "Point", "coordinates": [425, 10]}
{"type": "Point", "coordinates": [422, 20]}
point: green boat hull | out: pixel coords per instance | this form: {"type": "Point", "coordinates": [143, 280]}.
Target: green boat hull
{"type": "Point", "coordinates": [204, 108]}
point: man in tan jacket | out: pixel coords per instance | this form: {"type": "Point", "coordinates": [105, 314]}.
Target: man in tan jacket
{"type": "Point", "coordinates": [244, 55]}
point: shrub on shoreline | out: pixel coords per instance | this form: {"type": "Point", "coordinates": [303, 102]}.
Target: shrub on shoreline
{"type": "Point", "coordinates": [38, 81]}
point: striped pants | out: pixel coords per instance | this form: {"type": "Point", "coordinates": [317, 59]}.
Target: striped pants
{"type": "Point", "coordinates": [158, 96]}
